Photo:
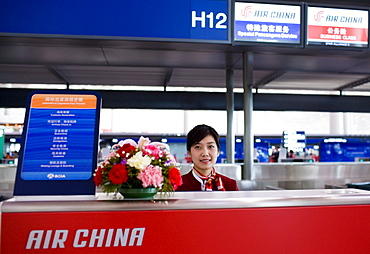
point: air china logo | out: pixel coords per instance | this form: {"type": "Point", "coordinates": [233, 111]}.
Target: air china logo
{"type": "Point", "coordinates": [319, 16]}
{"type": "Point", "coordinates": [81, 238]}
{"type": "Point", "coordinates": [247, 12]}
{"type": "Point", "coordinates": [53, 176]}
{"type": "Point", "coordinates": [349, 19]}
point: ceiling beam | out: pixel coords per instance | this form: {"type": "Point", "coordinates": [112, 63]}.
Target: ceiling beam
{"type": "Point", "coordinates": [167, 78]}
{"type": "Point", "coordinates": [267, 79]}
{"type": "Point", "coordinates": [17, 98]}
{"type": "Point", "coordinates": [355, 83]}
{"type": "Point", "coordinates": [54, 70]}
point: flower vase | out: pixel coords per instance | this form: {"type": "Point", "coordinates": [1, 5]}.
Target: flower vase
{"type": "Point", "coordinates": [139, 193]}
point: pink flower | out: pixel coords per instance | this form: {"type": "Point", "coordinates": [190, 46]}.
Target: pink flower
{"type": "Point", "coordinates": [151, 176]}
{"type": "Point", "coordinates": [172, 159]}
{"type": "Point", "coordinates": [109, 156]}
{"type": "Point", "coordinates": [153, 151]}
{"type": "Point", "coordinates": [160, 145]}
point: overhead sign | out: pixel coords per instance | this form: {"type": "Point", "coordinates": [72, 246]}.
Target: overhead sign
{"type": "Point", "coordinates": [60, 143]}
{"type": "Point", "coordinates": [337, 27]}
{"type": "Point", "coordinates": [204, 20]}
{"type": "Point", "coordinates": [271, 23]}
{"type": "Point", "coordinates": [294, 140]}
{"type": "Point", "coordinates": [348, 152]}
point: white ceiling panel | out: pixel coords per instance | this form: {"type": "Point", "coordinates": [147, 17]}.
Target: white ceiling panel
{"type": "Point", "coordinates": [112, 75]}
{"type": "Point", "coordinates": [132, 63]}
{"type": "Point", "coordinates": [312, 81]}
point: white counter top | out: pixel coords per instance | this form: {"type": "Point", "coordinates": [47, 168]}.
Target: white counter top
{"type": "Point", "coordinates": [198, 200]}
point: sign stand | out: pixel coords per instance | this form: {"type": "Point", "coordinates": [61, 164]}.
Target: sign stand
{"type": "Point", "coordinates": [59, 146]}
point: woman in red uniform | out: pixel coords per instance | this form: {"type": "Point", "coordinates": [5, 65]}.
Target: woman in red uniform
{"type": "Point", "coordinates": [203, 146]}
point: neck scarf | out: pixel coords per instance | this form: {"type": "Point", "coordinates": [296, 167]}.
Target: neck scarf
{"type": "Point", "coordinates": [206, 181]}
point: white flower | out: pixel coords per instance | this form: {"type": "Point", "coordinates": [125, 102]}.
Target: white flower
{"type": "Point", "coordinates": [139, 161]}
{"type": "Point", "coordinates": [127, 141]}
{"type": "Point", "coordinates": [143, 142]}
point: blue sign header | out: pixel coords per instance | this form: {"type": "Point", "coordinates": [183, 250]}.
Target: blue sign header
{"type": "Point", "coordinates": [204, 20]}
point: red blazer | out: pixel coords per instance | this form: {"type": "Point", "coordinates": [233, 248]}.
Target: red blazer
{"type": "Point", "coordinates": [189, 183]}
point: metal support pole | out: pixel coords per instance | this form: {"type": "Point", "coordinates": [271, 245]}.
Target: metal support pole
{"type": "Point", "coordinates": [248, 110]}
{"type": "Point", "coordinates": [230, 135]}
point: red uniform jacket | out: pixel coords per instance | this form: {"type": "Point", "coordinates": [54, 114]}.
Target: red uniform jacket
{"type": "Point", "coordinates": [189, 183]}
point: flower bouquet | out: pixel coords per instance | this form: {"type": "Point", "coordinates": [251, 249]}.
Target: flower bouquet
{"type": "Point", "coordinates": [141, 165]}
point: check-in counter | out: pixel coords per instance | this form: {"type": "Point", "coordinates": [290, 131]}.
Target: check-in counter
{"type": "Point", "coordinates": [309, 175]}
{"type": "Point", "coordinates": [285, 221]}
{"type": "Point", "coordinates": [7, 178]}
{"type": "Point", "coordinates": [279, 175]}
{"type": "Point", "coordinates": [295, 175]}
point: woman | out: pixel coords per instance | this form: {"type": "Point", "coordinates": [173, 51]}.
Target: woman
{"type": "Point", "coordinates": [203, 146]}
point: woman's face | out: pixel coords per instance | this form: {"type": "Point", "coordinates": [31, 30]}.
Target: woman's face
{"type": "Point", "coordinates": [204, 154]}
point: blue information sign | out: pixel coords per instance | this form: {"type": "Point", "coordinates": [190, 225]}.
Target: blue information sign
{"type": "Point", "coordinates": [348, 152]}
{"type": "Point", "coordinates": [167, 19]}
{"type": "Point", "coordinates": [261, 150]}
{"type": "Point", "coordinates": [60, 144]}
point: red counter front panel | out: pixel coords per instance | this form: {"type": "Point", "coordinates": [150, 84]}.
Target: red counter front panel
{"type": "Point", "coordinates": [322, 229]}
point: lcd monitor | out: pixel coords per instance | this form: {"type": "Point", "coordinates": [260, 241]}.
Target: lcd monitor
{"type": "Point", "coordinates": [294, 140]}
{"type": "Point", "coordinates": [337, 27]}
{"type": "Point", "coordinates": [265, 23]}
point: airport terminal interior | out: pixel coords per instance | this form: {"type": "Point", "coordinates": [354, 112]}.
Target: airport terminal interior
{"type": "Point", "coordinates": [318, 94]}
{"type": "Point", "coordinates": [98, 100]}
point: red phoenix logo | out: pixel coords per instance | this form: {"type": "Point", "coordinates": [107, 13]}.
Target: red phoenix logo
{"type": "Point", "coordinates": [319, 16]}
{"type": "Point", "coordinates": [247, 11]}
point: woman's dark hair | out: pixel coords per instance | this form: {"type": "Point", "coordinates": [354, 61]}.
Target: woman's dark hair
{"type": "Point", "coordinates": [198, 133]}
